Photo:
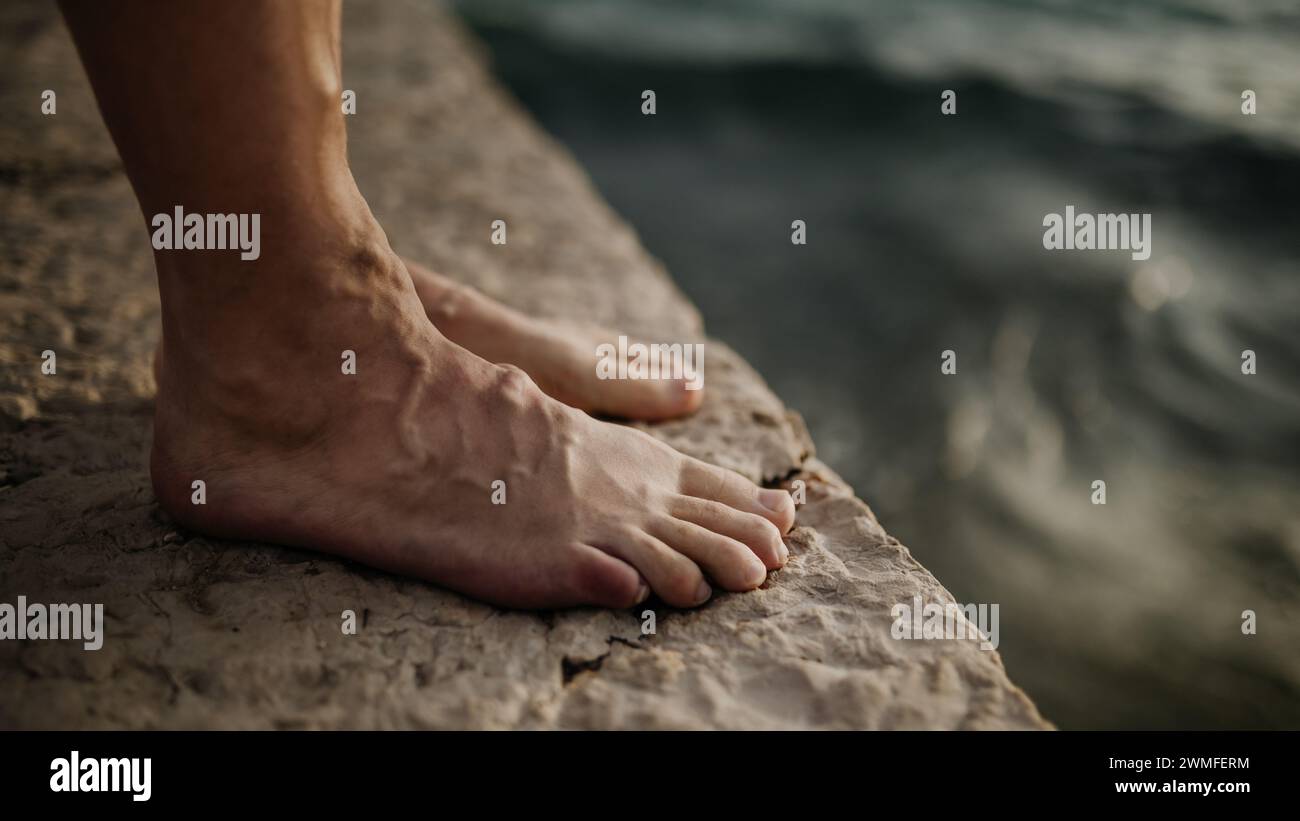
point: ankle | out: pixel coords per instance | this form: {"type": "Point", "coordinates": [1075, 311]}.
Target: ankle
{"type": "Point", "coordinates": [250, 342]}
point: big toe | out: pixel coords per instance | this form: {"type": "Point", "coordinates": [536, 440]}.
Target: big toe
{"type": "Point", "coordinates": [644, 400]}
{"type": "Point", "coordinates": [598, 579]}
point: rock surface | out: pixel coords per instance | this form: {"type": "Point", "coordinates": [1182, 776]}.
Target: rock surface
{"type": "Point", "coordinates": [208, 634]}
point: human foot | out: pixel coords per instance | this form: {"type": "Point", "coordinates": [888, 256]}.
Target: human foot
{"type": "Point", "coordinates": [559, 356]}
{"type": "Point", "coordinates": [394, 466]}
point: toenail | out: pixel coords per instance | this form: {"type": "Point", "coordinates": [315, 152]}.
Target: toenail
{"type": "Point", "coordinates": [757, 574]}
{"type": "Point", "coordinates": [784, 553]}
{"type": "Point", "coordinates": [642, 593]}
{"type": "Point", "coordinates": [773, 500]}
{"type": "Point", "coordinates": [703, 592]}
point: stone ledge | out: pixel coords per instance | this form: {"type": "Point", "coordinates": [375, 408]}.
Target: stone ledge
{"type": "Point", "coordinates": [212, 634]}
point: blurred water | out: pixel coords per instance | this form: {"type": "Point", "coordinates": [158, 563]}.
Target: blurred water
{"type": "Point", "coordinates": [924, 234]}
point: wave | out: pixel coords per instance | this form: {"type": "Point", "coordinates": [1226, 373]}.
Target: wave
{"type": "Point", "coordinates": [1191, 57]}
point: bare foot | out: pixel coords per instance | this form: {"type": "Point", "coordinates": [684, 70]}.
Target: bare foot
{"type": "Point", "coordinates": [559, 356]}
{"type": "Point", "coordinates": [394, 466]}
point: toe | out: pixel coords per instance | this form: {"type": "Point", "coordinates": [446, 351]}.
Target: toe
{"type": "Point", "coordinates": [648, 400]}
{"type": "Point", "coordinates": [673, 576]}
{"type": "Point", "coordinates": [668, 399]}
{"type": "Point", "coordinates": [706, 481]}
{"type": "Point", "coordinates": [750, 529]}
{"type": "Point", "coordinates": [728, 562]}
{"type": "Point", "coordinates": [654, 400]}
{"type": "Point", "coordinates": [599, 579]}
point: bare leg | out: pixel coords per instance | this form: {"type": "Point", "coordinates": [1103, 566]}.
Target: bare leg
{"type": "Point", "coordinates": [228, 107]}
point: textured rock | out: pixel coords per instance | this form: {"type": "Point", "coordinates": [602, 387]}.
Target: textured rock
{"type": "Point", "coordinates": [204, 633]}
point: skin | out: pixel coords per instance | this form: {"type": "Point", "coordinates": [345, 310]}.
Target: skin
{"type": "Point", "coordinates": [394, 466]}
{"type": "Point", "coordinates": [558, 355]}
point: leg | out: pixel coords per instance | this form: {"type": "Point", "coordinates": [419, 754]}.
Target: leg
{"type": "Point", "coordinates": [232, 108]}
